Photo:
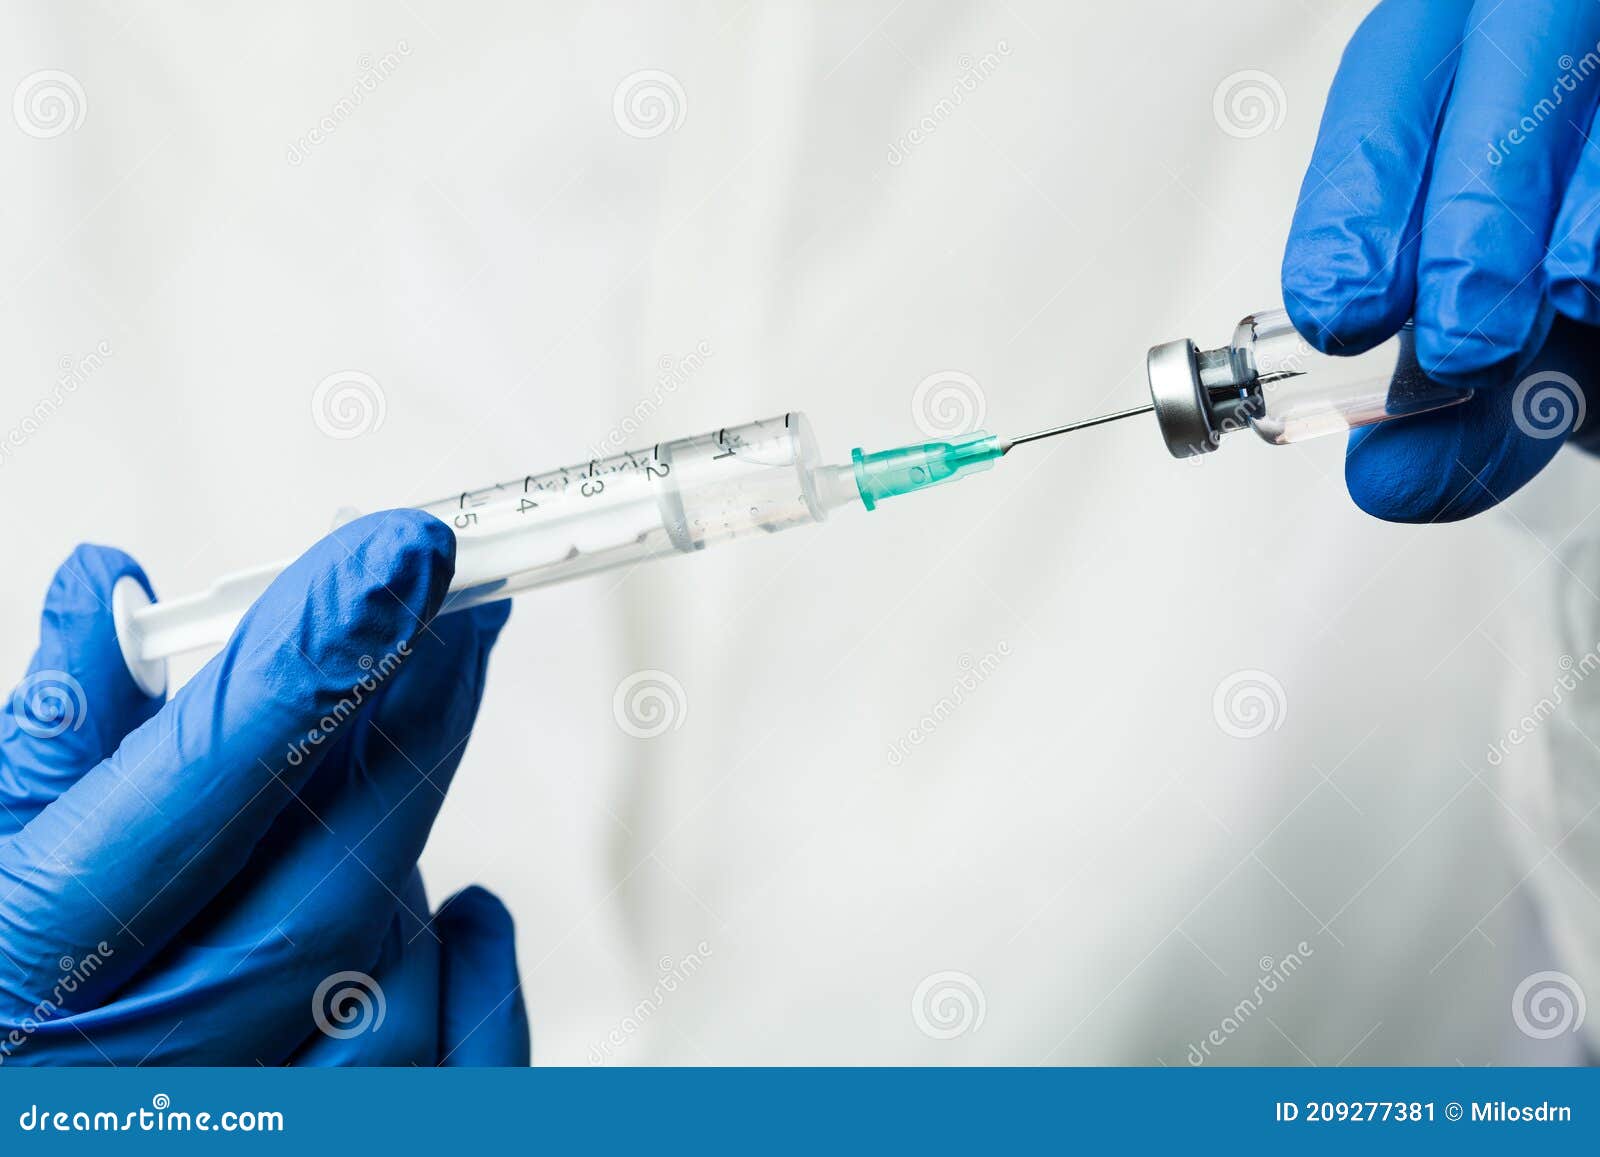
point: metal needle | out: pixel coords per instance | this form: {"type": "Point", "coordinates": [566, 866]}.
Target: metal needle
{"type": "Point", "coordinates": [1067, 429]}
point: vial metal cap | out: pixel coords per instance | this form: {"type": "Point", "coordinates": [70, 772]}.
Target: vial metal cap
{"type": "Point", "coordinates": [1182, 405]}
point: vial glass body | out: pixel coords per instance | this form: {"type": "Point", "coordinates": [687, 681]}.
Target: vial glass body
{"type": "Point", "coordinates": [1298, 393]}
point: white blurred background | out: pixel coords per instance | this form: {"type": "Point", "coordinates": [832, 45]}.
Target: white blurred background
{"type": "Point", "coordinates": [1108, 872]}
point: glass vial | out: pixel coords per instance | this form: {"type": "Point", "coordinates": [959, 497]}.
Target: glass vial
{"type": "Point", "coordinates": [1271, 379]}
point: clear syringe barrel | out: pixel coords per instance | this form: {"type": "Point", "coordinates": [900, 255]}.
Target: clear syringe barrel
{"type": "Point", "coordinates": [674, 497]}
{"type": "Point", "coordinates": [611, 511]}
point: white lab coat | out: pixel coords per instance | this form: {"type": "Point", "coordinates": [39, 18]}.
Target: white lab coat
{"type": "Point", "coordinates": [849, 847]}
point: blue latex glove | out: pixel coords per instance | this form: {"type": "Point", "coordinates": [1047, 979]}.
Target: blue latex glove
{"type": "Point", "coordinates": [178, 882]}
{"type": "Point", "coordinates": [1442, 188]}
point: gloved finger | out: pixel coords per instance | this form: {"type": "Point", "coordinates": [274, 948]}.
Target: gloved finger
{"type": "Point", "coordinates": [1572, 267]}
{"type": "Point", "coordinates": [384, 1013]}
{"type": "Point", "coordinates": [130, 853]}
{"type": "Point", "coordinates": [379, 1006]}
{"type": "Point", "coordinates": [353, 836]}
{"type": "Point", "coordinates": [483, 1019]}
{"type": "Point", "coordinates": [321, 888]}
{"type": "Point", "coordinates": [1350, 267]}
{"type": "Point", "coordinates": [77, 700]}
{"type": "Point", "coordinates": [1481, 309]}
{"type": "Point", "coordinates": [1457, 462]}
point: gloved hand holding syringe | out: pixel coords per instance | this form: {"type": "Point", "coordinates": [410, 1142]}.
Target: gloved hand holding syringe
{"type": "Point", "coordinates": [685, 495]}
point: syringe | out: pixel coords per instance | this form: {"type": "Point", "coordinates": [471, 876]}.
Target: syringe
{"type": "Point", "coordinates": [682, 496]}
{"type": "Point", "coordinates": [674, 497]}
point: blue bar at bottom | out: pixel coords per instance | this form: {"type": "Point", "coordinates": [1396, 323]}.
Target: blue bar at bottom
{"type": "Point", "coordinates": [761, 1110]}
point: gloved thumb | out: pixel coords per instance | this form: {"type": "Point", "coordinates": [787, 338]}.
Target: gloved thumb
{"type": "Point", "coordinates": [482, 1018]}
{"type": "Point", "coordinates": [77, 701]}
